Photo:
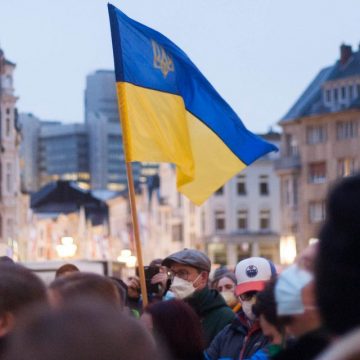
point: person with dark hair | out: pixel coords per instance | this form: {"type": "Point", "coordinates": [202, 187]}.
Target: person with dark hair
{"type": "Point", "coordinates": [82, 330]}
{"type": "Point", "coordinates": [122, 290]}
{"type": "Point", "coordinates": [271, 326]}
{"type": "Point", "coordinates": [338, 261]}
{"type": "Point", "coordinates": [190, 275]}
{"type": "Point", "coordinates": [19, 289]}
{"type": "Point", "coordinates": [218, 274]}
{"type": "Point", "coordinates": [78, 284]}
{"type": "Point", "coordinates": [6, 259]}
{"type": "Point", "coordinates": [66, 269]}
{"type": "Point", "coordinates": [243, 337]}
{"type": "Point", "coordinates": [176, 326]}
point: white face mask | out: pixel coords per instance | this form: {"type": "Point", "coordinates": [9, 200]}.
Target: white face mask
{"type": "Point", "coordinates": [247, 307]}
{"type": "Point", "coordinates": [229, 298]}
{"type": "Point", "coordinates": [182, 288]}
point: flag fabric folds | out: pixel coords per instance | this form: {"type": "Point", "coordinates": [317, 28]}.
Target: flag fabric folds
{"type": "Point", "coordinates": [171, 113]}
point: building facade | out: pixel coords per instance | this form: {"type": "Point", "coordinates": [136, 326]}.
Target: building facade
{"type": "Point", "coordinates": [10, 195]}
{"type": "Point", "coordinates": [50, 151]}
{"type": "Point", "coordinates": [320, 144]}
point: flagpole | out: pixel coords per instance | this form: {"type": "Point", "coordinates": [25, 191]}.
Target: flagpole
{"type": "Point", "coordinates": [121, 94]}
{"type": "Point", "coordinates": [135, 222]}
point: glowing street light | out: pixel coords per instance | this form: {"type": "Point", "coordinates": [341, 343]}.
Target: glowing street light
{"type": "Point", "coordinates": [67, 248]}
{"type": "Point", "coordinates": [127, 258]}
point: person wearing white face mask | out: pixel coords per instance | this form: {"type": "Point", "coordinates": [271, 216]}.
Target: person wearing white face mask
{"type": "Point", "coordinates": [243, 337]}
{"type": "Point", "coordinates": [190, 274]}
{"type": "Point", "coordinates": [298, 311]}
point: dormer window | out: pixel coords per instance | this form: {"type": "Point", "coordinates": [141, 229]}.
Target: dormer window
{"type": "Point", "coordinates": [328, 96]}
{"type": "Point", "coordinates": [343, 92]}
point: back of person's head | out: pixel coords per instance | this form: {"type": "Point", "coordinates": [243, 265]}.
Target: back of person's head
{"type": "Point", "coordinates": [121, 288]}
{"type": "Point", "coordinates": [85, 285]}
{"type": "Point", "coordinates": [338, 265]}
{"type": "Point", "coordinates": [19, 287]}
{"type": "Point", "coordinates": [82, 330]}
{"type": "Point", "coordinates": [66, 269]}
{"type": "Point", "coordinates": [176, 324]}
{"type": "Point", "coordinates": [6, 259]}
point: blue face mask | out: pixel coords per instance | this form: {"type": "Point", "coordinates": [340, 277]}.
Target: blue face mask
{"type": "Point", "coordinates": [169, 295]}
{"type": "Point", "coordinates": [288, 290]}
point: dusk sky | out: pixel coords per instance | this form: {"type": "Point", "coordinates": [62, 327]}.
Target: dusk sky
{"type": "Point", "coordinates": [259, 54]}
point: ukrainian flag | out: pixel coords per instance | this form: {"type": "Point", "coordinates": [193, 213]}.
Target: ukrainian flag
{"type": "Point", "coordinates": [171, 113]}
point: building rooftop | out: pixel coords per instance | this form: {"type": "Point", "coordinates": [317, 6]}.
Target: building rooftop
{"type": "Point", "coordinates": [311, 101]}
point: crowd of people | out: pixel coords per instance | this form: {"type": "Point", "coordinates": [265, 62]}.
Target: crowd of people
{"type": "Point", "coordinates": [309, 310]}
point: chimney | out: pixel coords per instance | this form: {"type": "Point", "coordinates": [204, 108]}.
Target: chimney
{"type": "Point", "coordinates": [345, 53]}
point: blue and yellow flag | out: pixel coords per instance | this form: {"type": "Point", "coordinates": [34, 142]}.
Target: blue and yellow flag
{"type": "Point", "coordinates": [171, 113]}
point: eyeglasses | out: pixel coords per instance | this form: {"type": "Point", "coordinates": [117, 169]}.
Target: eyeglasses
{"type": "Point", "coordinates": [248, 295]}
{"type": "Point", "coordinates": [182, 274]}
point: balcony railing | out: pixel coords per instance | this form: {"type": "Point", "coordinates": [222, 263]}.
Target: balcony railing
{"type": "Point", "coordinates": [288, 162]}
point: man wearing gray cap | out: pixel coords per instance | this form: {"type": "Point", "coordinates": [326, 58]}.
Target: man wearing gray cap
{"type": "Point", "coordinates": [190, 274]}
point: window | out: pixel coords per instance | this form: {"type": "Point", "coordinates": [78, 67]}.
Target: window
{"type": "Point", "coordinates": [358, 90]}
{"type": "Point", "coordinates": [264, 222]}
{"type": "Point", "coordinates": [346, 130]}
{"type": "Point", "coordinates": [241, 185]}
{"type": "Point", "coordinates": [242, 220]}
{"type": "Point", "coordinates": [351, 95]}
{"type": "Point", "coordinates": [220, 191]}
{"type": "Point", "coordinates": [264, 185]}
{"type": "Point", "coordinates": [316, 211]}
{"type": "Point", "coordinates": [177, 232]}
{"type": "Point", "coordinates": [346, 167]}
{"type": "Point", "coordinates": [8, 178]}
{"type": "Point", "coordinates": [315, 134]}
{"type": "Point", "coordinates": [291, 145]}
{"type": "Point", "coordinates": [335, 95]}
{"type": "Point", "coordinates": [287, 192]}
{"type": "Point", "coordinates": [328, 96]}
{"type": "Point", "coordinates": [7, 126]}
{"type": "Point", "coordinates": [220, 220]}
{"type": "Point", "coordinates": [343, 92]}
{"type": "Point", "coordinates": [317, 173]}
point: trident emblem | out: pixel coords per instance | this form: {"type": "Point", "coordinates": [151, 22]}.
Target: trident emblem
{"type": "Point", "coordinates": [162, 60]}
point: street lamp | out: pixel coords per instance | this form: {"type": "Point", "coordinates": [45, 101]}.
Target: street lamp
{"type": "Point", "coordinates": [127, 258]}
{"type": "Point", "coordinates": [67, 248]}
{"type": "Point", "coordinates": [287, 249]}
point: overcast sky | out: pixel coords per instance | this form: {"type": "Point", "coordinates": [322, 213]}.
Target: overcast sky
{"type": "Point", "coordinates": [259, 54]}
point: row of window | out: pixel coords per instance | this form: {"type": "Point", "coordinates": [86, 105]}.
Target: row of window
{"type": "Point", "coordinates": [317, 134]}
{"type": "Point", "coordinates": [317, 171]}
{"type": "Point", "coordinates": [342, 94]}
{"type": "Point", "coordinates": [241, 188]}
{"type": "Point", "coordinates": [242, 220]}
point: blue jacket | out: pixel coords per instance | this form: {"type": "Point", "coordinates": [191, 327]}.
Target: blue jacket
{"type": "Point", "coordinates": [236, 341]}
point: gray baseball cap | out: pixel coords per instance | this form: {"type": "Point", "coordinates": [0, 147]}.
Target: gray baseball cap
{"type": "Point", "coordinates": [194, 258]}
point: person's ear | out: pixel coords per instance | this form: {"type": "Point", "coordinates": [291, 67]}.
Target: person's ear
{"type": "Point", "coordinates": [7, 322]}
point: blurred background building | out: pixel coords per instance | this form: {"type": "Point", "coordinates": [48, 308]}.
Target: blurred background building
{"type": "Point", "coordinates": [320, 144]}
